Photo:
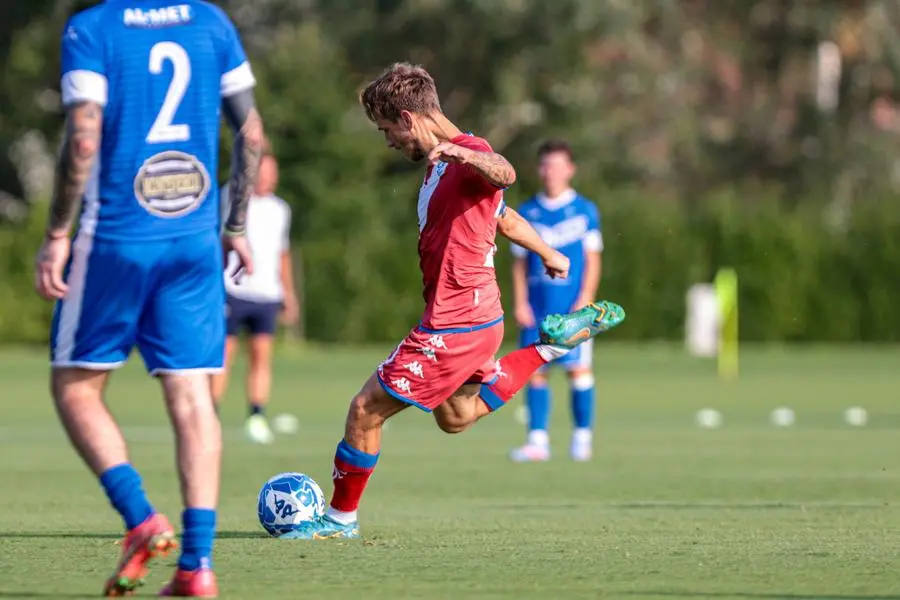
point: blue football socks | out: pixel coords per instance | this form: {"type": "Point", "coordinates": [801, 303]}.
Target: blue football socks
{"type": "Point", "coordinates": [197, 539]}
{"type": "Point", "coordinates": [123, 487]}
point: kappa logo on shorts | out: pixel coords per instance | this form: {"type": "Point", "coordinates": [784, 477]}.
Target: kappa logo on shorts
{"type": "Point", "coordinates": [402, 385]}
{"type": "Point", "coordinates": [429, 354]}
{"type": "Point", "coordinates": [415, 367]}
{"type": "Point", "coordinates": [437, 341]}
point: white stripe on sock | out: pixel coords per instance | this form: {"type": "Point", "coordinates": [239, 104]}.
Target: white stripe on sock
{"type": "Point", "coordinates": [344, 518]}
{"type": "Point", "coordinates": [550, 353]}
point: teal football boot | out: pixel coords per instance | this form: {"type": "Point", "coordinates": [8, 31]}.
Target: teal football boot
{"type": "Point", "coordinates": [323, 528]}
{"type": "Point", "coordinates": [571, 329]}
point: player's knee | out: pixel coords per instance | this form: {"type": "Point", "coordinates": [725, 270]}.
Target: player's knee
{"type": "Point", "coordinates": [582, 380]}
{"type": "Point", "coordinates": [67, 385]}
{"type": "Point", "coordinates": [539, 380]}
{"type": "Point", "coordinates": [188, 395]}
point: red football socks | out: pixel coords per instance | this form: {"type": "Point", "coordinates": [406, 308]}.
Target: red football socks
{"type": "Point", "coordinates": [352, 469]}
{"type": "Point", "coordinates": [513, 372]}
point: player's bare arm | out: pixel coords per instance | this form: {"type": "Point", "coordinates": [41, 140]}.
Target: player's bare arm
{"type": "Point", "coordinates": [241, 114]}
{"type": "Point", "coordinates": [490, 165]}
{"type": "Point", "coordinates": [518, 230]}
{"type": "Point", "coordinates": [76, 160]}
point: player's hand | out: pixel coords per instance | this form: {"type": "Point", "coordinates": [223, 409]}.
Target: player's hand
{"type": "Point", "coordinates": [524, 315]}
{"type": "Point", "coordinates": [49, 266]}
{"type": "Point", "coordinates": [241, 248]}
{"type": "Point", "coordinates": [290, 312]}
{"type": "Point", "coordinates": [557, 265]}
{"type": "Point", "coordinates": [423, 135]}
{"type": "Point", "coordinates": [449, 153]}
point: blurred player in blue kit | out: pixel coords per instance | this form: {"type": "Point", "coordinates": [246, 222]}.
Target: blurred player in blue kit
{"type": "Point", "coordinates": [144, 83]}
{"type": "Point", "coordinates": [570, 223]}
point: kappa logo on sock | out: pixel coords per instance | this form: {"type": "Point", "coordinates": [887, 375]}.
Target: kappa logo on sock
{"type": "Point", "coordinates": [336, 473]}
{"type": "Point", "coordinates": [498, 370]}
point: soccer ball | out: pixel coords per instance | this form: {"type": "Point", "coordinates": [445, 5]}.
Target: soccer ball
{"type": "Point", "coordinates": [287, 500]}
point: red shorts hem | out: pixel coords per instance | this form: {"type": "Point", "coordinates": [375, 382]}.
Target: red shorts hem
{"type": "Point", "coordinates": [428, 367]}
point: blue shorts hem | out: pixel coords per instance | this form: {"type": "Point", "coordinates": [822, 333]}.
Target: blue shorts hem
{"type": "Point", "coordinates": [397, 396]}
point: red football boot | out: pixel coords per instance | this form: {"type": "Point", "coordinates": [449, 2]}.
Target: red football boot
{"type": "Point", "coordinates": [192, 584]}
{"type": "Point", "coordinates": [152, 538]}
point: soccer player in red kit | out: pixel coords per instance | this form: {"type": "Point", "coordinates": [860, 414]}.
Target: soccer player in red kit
{"type": "Point", "coordinates": [446, 365]}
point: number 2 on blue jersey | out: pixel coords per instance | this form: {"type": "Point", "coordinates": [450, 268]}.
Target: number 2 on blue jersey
{"type": "Point", "coordinates": [163, 130]}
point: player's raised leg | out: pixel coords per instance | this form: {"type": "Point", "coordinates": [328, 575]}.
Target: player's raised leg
{"type": "Point", "coordinates": [559, 334]}
{"type": "Point", "coordinates": [354, 462]}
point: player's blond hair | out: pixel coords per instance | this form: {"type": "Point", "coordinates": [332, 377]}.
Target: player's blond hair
{"type": "Point", "coordinates": [402, 86]}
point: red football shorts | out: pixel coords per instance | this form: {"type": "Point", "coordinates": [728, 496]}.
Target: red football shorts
{"type": "Point", "coordinates": [428, 366]}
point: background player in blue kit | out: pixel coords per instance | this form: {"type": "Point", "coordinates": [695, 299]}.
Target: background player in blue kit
{"type": "Point", "coordinates": [570, 223]}
{"type": "Point", "coordinates": [143, 83]}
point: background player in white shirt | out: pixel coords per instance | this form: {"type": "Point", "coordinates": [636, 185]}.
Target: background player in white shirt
{"type": "Point", "coordinates": [570, 223]}
{"type": "Point", "coordinates": [256, 301]}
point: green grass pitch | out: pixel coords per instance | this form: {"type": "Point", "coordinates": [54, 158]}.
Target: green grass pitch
{"type": "Point", "coordinates": [666, 510]}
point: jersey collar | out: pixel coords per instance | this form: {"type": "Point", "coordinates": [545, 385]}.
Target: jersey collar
{"type": "Point", "coordinates": [556, 203]}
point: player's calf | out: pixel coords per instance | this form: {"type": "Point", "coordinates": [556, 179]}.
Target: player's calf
{"type": "Point", "coordinates": [354, 462]}
{"type": "Point", "coordinates": [461, 410]}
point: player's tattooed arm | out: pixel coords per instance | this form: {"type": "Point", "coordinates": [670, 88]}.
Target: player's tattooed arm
{"type": "Point", "coordinates": [488, 165]}
{"type": "Point", "coordinates": [84, 122]}
{"type": "Point", "coordinates": [241, 114]}
{"type": "Point", "coordinates": [492, 167]}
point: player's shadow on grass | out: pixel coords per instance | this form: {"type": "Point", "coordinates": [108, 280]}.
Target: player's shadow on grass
{"type": "Point", "coordinates": [757, 595]}
{"type": "Point", "coordinates": [222, 535]}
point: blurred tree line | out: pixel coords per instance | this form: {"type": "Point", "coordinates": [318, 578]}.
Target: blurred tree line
{"type": "Point", "coordinates": [761, 134]}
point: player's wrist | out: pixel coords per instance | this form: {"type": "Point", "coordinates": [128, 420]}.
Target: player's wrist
{"type": "Point", "coordinates": [232, 231]}
{"type": "Point", "coordinates": [56, 234]}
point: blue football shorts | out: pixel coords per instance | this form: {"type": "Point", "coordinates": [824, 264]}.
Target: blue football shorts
{"type": "Point", "coordinates": [165, 297]}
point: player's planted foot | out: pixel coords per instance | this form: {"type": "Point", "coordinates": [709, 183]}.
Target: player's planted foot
{"type": "Point", "coordinates": [257, 430]}
{"type": "Point", "coordinates": [192, 584]}
{"type": "Point", "coordinates": [572, 329]}
{"type": "Point", "coordinates": [151, 539]}
{"type": "Point", "coordinates": [530, 453]}
{"type": "Point", "coordinates": [581, 449]}
{"type": "Point", "coordinates": [323, 528]}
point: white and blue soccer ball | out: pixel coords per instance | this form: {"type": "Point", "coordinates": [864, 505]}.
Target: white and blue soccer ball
{"type": "Point", "coordinates": [288, 500]}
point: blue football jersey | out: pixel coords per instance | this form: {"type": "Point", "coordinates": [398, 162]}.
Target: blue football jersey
{"type": "Point", "coordinates": [570, 224]}
{"type": "Point", "coordinates": [160, 69]}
